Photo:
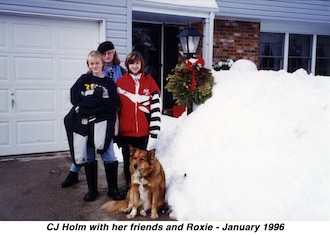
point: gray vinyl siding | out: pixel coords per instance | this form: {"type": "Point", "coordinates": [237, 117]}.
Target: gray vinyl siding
{"type": "Point", "coordinates": [289, 10]}
{"type": "Point", "coordinates": [115, 13]}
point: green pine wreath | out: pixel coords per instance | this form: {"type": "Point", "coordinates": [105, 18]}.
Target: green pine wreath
{"type": "Point", "coordinates": [178, 83]}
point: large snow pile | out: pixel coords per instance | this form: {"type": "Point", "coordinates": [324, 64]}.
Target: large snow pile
{"type": "Point", "coordinates": [259, 149]}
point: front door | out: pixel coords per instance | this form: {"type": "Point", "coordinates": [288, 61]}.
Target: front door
{"type": "Point", "coordinates": [159, 46]}
{"type": "Point", "coordinates": [171, 54]}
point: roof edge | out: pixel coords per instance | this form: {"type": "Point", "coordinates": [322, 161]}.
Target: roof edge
{"type": "Point", "coordinates": [168, 4]}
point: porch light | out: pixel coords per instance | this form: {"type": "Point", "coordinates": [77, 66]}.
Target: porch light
{"type": "Point", "coordinates": [189, 40]}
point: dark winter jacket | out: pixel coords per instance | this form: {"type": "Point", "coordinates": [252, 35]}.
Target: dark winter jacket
{"type": "Point", "coordinates": [95, 102]}
{"type": "Point", "coordinates": [95, 96]}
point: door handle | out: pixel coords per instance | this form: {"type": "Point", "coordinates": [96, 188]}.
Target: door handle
{"type": "Point", "coordinates": [12, 100]}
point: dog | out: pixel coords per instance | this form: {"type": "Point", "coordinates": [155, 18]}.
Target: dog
{"type": "Point", "coordinates": [147, 189]}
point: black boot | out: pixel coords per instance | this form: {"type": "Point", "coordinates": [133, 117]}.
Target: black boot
{"type": "Point", "coordinates": [91, 176]}
{"type": "Point", "coordinates": [111, 171]}
{"type": "Point", "coordinates": [70, 180]}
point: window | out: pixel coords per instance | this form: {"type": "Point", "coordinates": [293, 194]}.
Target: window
{"type": "Point", "coordinates": [300, 52]}
{"type": "Point", "coordinates": [323, 56]}
{"type": "Point", "coordinates": [271, 51]}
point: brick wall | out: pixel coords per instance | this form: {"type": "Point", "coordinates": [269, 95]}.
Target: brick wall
{"type": "Point", "coordinates": [235, 40]}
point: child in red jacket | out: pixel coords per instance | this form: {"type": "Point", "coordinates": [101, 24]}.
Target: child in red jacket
{"type": "Point", "coordinates": [140, 108]}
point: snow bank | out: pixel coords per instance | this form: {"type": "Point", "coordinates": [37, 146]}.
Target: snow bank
{"type": "Point", "coordinates": [259, 149]}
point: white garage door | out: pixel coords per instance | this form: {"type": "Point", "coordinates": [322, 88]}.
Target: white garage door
{"type": "Point", "coordinates": [40, 59]}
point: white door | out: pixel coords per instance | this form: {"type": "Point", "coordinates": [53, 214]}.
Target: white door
{"type": "Point", "coordinates": [40, 59]}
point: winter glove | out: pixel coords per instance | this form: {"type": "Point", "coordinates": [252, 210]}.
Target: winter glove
{"type": "Point", "coordinates": [98, 91]}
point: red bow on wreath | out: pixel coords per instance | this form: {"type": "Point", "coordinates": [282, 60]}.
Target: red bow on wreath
{"type": "Point", "coordinates": [192, 68]}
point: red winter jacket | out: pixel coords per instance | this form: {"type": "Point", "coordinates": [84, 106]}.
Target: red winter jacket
{"type": "Point", "coordinates": [140, 109]}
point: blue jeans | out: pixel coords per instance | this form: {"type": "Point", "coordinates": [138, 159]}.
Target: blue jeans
{"type": "Point", "coordinates": [108, 157]}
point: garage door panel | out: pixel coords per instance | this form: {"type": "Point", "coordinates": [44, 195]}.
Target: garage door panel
{"type": "Point", "coordinates": [4, 101]}
{"type": "Point", "coordinates": [4, 134]}
{"type": "Point", "coordinates": [85, 36]}
{"type": "Point", "coordinates": [4, 68]}
{"type": "Point", "coordinates": [36, 132]}
{"type": "Point", "coordinates": [32, 36]}
{"type": "Point", "coordinates": [3, 34]}
{"type": "Point", "coordinates": [34, 69]}
{"type": "Point", "coordinates": [71, 69]}
{"type": "Point", "coordinates": [35, 101]}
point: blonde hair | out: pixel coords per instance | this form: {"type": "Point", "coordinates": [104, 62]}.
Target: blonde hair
{"type": "Point", "coordinates": [95, 54]}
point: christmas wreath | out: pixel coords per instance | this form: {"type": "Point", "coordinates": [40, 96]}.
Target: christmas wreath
{"type": "Point", "coordinates": [190, 83]}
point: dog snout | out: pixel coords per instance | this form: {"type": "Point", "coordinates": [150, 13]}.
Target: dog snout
{"type": "Point", "coordinates": [135, 166]}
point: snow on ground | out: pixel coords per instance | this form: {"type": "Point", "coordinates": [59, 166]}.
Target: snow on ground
{"type": "Point", "coordinates": [259, 149]}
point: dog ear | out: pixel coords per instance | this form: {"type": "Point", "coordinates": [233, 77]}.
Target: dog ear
{"type": "Point", "coordinates": [151, 155]}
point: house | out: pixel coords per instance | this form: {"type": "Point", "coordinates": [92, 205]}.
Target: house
{"type": "Point", "coordinates": [275, 35]}
{"type": "Point", "coordinates": [44, 44]}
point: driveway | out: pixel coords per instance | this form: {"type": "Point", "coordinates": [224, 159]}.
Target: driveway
{"type": "Point", "coordinates": [30, 190]}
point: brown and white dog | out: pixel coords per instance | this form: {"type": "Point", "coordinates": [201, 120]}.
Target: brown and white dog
{"type": "Point", "coordinates": [147, 189]}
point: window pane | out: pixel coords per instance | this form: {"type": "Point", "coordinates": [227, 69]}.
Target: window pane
{"type": "Point", "coordinates": [271, 51]}
{"type": "Point", "coordinates": [300, 52]}
{"type": "Point", "coordinates": [323, 56]}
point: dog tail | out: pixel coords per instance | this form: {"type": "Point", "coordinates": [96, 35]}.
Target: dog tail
{"type": "Point", "coordinates": [115, 206]}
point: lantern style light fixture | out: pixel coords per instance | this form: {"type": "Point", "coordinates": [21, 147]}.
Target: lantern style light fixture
{"type": "Point", "coordinates": [189, 40]}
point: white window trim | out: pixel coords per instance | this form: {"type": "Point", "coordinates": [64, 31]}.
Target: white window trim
{"type": "Point", "coordinates": [286, 52]}
{"type": "Point", "coordinates": [314, 47]}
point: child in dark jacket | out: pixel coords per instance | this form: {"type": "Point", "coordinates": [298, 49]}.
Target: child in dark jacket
{"type": "Point", "coordinates": [113, 71]}
{"type": "Point", "coordinates": [95, 101]}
